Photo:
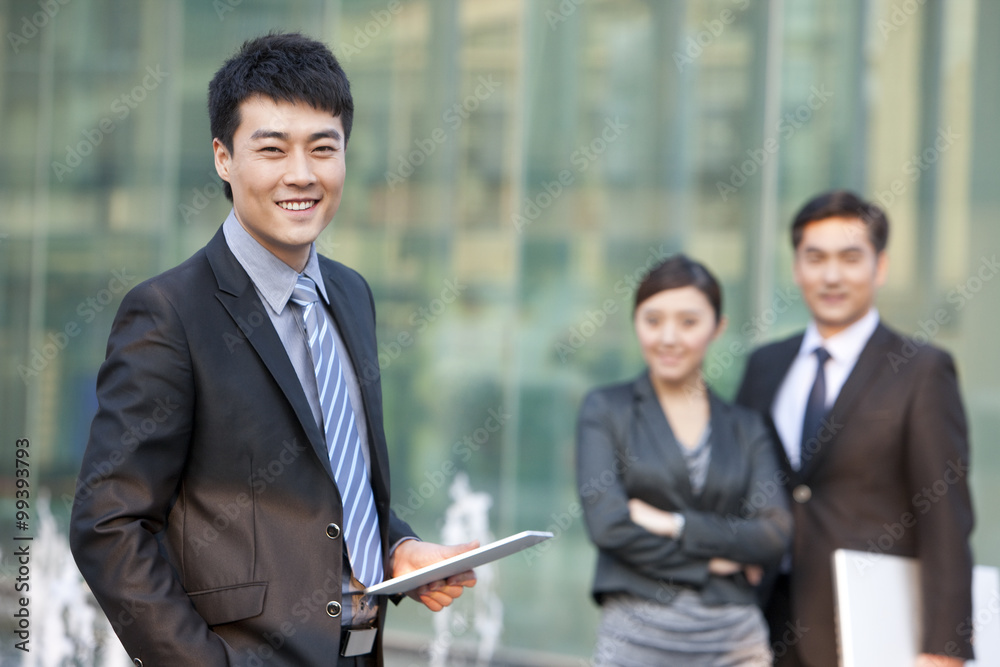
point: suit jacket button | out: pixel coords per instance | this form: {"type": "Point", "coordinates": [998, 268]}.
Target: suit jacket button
{"type": "Point", "coordinates": [333, 608]}
{"type": "Point", "coordinates": [137, 662]}
{"type": "Point", "coordinates": [333, 531]}
{"type": "Point", "coordinates": [802, 493]}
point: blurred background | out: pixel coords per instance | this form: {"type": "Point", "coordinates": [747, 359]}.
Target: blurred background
{"type": "Point", "coordinates": [515, 166]}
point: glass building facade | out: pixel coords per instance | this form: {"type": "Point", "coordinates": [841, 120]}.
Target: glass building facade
{"type": "Point", "coordinates": [515, 166]}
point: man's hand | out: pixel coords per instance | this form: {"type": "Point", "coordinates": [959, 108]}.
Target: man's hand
{"type": "Point", "coordinates": [931, 660]}
{"type": "Point", "coordinates": [413, 554]}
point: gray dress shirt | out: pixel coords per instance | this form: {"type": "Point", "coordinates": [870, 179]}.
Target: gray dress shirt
{"type": "Point", "coordinates": [274, 281]}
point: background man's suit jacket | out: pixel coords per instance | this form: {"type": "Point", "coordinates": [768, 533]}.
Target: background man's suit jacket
{"type": "Point", "coordinates": [892, 477]}
{"type": "Point", "coordinates": [625, 449]}
{"type": "Point", "coordinates": [202, 512]}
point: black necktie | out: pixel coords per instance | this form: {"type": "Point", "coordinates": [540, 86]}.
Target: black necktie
{"type": "Point", "coordinates": [815, 407]}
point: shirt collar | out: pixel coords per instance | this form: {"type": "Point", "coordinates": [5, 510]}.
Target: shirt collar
{"type": "Point", "coordinates": [274, 279]}
{"type": "Point", "coordinates": [844, 346]}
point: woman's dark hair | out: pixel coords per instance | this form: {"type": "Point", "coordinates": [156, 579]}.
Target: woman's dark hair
{"type": "Point", "coordinates": [680, 271]}
{"type": "Point", "coordinates": [843, 204]}
{"type": "Point", "coordinates": [286, 67]}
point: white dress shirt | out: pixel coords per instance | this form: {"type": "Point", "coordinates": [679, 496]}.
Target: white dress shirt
{"type": "Point", "coordinates": [789, 406]}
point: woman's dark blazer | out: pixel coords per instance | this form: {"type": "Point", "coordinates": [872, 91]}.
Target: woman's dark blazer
{"type": "Point", "coordinates": [626, 449]}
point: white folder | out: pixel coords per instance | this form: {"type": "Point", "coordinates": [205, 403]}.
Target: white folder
{"type": "Point", "coordinates": [878, 610]}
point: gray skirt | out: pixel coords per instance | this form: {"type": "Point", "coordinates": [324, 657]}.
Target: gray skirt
{"type": "Point", "coordinates": [635, 632]}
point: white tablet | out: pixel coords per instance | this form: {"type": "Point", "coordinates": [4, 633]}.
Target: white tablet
{"type": "Point", "coordinates": [460, 563]}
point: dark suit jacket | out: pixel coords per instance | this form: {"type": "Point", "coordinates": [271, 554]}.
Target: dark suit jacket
{"type": "Point", "coordinates": [891, 477]}
{"type": "Point", "coordinates": [204, 500]}
{"type": "Point", "coordinates": [625, 449]}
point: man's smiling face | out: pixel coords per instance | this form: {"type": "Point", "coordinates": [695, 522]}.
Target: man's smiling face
{"type": "Point", "coordinates": [287, 170]}
{"type": "Point", "coordinates": [839, 272]}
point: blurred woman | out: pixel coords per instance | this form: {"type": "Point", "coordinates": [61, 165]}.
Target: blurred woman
{"type": "Point", "coordinates": [681, 493]}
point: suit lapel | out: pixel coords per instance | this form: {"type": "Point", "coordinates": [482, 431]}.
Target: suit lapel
{"type": "Point", "coordinates": [660, 438]}
{"type": "Point", "coordinates": [784, 354]}
{"type": "Point", "coordinates": [871, 359]}
{"type": "Point", "coordinates": [239, 298]}
{"type": "Point", "coordinates": [724, 463]}
{"type": "Point", "coordinates": [776, 368]}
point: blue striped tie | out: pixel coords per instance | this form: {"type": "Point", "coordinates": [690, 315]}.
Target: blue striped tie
{"type": "Point", "coordinates": [364, 546]}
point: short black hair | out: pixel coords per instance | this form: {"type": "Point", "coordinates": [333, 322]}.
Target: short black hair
{"type": "Point", "coordinates": [843, 204]}
{"type": "Point", "coordinates": [680, 271]}
{"type": "Point", "coordinates": [286, 67]}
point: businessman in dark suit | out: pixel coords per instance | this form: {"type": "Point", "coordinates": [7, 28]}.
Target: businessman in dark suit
{"type": "Point", "coordinates": [234, 496]}
{"type": "Point", "coordinates": [873, 440]}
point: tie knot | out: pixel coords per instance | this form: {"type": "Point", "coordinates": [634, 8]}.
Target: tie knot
{"type": "Point", "coordinates": [304, 292]}
{"type": "Point", "coordinates": [822, 355]}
